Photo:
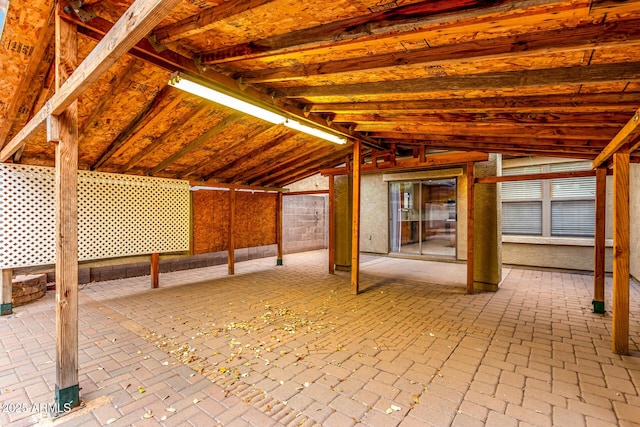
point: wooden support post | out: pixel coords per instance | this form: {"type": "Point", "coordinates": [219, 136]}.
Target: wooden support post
{"type": "Point", "coordinates": [6, 304]}
{"type": "Point", "coordinates": [470, 224]}
{"type": "Point", "coordinates": [332, 224]}
{"type": "Point", "coordinates": [155, 270]}
{"type": "Point", "coordinates": [232, 220]}
{"type": "Point", "coordinates": [279, 228]}
{"type": "Point", "coordinates": [67, 391]}
{"type": "Point", "coordinates": [355, 220]}
{"type": "Point", "coordinates": [620, 327]}
{"type": "Point", "coordinates": [600, 229]}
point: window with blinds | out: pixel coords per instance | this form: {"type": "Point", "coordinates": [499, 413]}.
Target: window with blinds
{"type": "Point", "coordinates": [522, 203]}
{"type": "Point", "coordinates": [556, 207]}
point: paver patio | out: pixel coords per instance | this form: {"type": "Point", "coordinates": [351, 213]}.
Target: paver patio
{"type": "Point", "coordinates": [291, 346]}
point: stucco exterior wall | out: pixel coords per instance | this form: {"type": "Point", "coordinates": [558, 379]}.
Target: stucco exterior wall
{"type": "Point", "coordinates": [634, 215]}
{"type": "Point", "coordinates": [374, 214]}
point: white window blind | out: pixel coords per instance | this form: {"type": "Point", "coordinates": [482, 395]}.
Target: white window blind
{"type": "Point", "coordinates": [572, 202]}
{"type": "Point", "coordinates": [522, 203]}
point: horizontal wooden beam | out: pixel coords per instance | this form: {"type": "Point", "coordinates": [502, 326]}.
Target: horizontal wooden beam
{"type": "Point", "coordinates": [305, 193]}
{"type": "Point", "coordinates": [227, 186]}
{"type": "Point", "coordinates": [584, 37]}
{"type": "Point", "coordinates": [589, 74]}
{"type": "Point", "coordinates": [588, 103]}
{"type": "Point", "coordinates": [435, 160]}
{"type": "Point", "coordinates": [204, 21]}
{"type": "Point", "coordinates": [537, 176]}
{"type": "Point", "coordinates": [134, 24]}
{"type": "Point", "coordinates": [626, 134]}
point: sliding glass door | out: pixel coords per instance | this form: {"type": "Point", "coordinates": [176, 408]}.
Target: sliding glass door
{"type": "Point", "coordinates": [423, 217]}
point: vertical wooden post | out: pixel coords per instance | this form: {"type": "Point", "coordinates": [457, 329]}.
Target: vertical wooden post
{"type": "Point", "coordinates": [620, 327]}
{"type": "Point", "coordinates": [355, 221]}
{"type": "Point", "coordinates": [332, 224]}
{"type": "Point", "coordinates": [599, 244]}
{"type": "Point", "coordinates": [470, 224]}
{"type": "Point", "coordinates": [6, 289]}
{"type": "Point", "coordinates": [232, 220]}
{"type": "Point", "coordinates": [279, 228]}
{"type": "Point", "coordinates": [67, 391]}
{"type": "Point", "coordinates": [155, 270]}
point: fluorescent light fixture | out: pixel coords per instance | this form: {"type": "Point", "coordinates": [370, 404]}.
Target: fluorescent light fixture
{"type": "Point", "coordinates": [188, 84]}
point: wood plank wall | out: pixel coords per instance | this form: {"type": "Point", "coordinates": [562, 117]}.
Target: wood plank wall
{"type": "Point", "coordinates": [255, 220]}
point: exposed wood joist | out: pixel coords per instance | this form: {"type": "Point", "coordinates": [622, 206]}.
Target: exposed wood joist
{"type": "Point", "coordinates": [166, 136]}
{"type": "Point", "coordinates": [146, 118]}
{"type": "Point", "coordinates": [536, 176]}
{"type": "Point", "coordinates": [589, 74]}
{"type": "Point", "coordinates": [172, 61]}
{"type": "Point", "coordinates": [256, 151]}
{"type": "Point", "coordinates": [586, 103]}
{"type": "Point", "coordinates": [625, 136]}
{"type": "Point", "coordinates": [308, 168]}
{"type": "Point", "coordinates": [204, 21]}
{"type": "Point", "coordinates": [142, 17]}
{"type": "Point", "coordinates": [586, 36]}
{"type": "Point", "coordinates": [407, 18]}
{"type": "Point", "coordinates": [445, 159]}
{"type": "Point", "coordinates": [197, 142]}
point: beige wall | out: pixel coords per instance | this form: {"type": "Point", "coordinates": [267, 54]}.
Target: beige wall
{"type": "Point", "coordinates": [374, 214]}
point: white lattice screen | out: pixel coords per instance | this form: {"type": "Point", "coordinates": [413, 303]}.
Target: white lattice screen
{"type": "Point", "coordinates": [118, 215]}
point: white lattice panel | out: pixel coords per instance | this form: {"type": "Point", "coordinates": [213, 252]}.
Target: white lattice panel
{"type": "Point", "coordinates": [118, 215]}
{"type": "Point", "coordinates": [27, 216]}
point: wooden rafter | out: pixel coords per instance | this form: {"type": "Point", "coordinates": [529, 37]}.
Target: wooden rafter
{"type": "Point", "coordinates": [369, 27]}
{"type": "Point", "coordinates": [166, 136]}
{"type": "Point", "coordinates": [588, 103]}
{"type": "Point", "coordinates": [536, 176]}
{"type": "Point", "coordinates": [204, 21]}
{"type": "Point", "coordinates": [258, 149]}
{"type": "Point", "coordinates": [149, 115]}
{"type": "Point", "coordinates": [601, 73]}
{"type": "Point", "coordinates": [298, 160]}
{"type": "Point", "coordinates": [141, 17]}
{"type": "Point", "coordinates": [586, 36]}
{"type": "Point", "coordinates": [197, 142]}
{"type": "Point", "coordinates": [107, 97]}
{"type": "Point", "coordinates": [626, 135]}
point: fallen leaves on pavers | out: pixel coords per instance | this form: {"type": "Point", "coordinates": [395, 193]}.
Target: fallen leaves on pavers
{"type": "Point", "coordinates": [111, 420]}
{"type": "Point", "coordinates": [393, 408]}
{"type": "Point", "coordinates": [148, 414]}
{"type": "Point", "coordinates": [141, 390]}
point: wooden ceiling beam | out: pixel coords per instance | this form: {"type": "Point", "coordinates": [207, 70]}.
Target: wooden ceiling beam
{"type": "Point", "coordinates": [253, 153]}
{"type": "Point", "coordinates": [537, 176]}
{"type": "Point", "coordinates": [588, 74]}
{"type": "Point", "coordinates": [172, 61]}
{"type": "Point", "coordinates": [534, 118]}
{"type": "Point", "coordinates": [488, 129]}
{"type": "Point", "coordinates": [218, 128]}
{"type": "Point", "coordinates": [406, 18]}
{"type": "Point", "coordinates": [119, 80]}
{"type": "Point", "coordinates": [294, 158]}
{"type": "Point", "coordinates": [583, 37]}
{"type": "Point", "coordinates": [598, 102]}
{"type": "Point", "coordinates": [146, 118]}
{"type": "Point", "coordinates": [589, 153]}
{"type": "Point", "coordinates": [167, 135]}
{"type": "Point", "coordinates": [141, 17]}
{"type": "Point", "coordinates": [418, 139]}
{"type": "Point", "coordinates": [307, 167]}
{"type": "Point", "coordinates": [622, 138]}
{"type": "Point", "coordinates": [204, 21]}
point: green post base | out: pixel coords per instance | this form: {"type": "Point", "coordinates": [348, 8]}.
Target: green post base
{"type": "Point", "coordinates": [279, 262]}
{"type": "Point", "coordinates": [598, 307]}
{"type": "Point", "coordinates": [66, 399]}
{"type": "Point", "coordinates": [6, 309]}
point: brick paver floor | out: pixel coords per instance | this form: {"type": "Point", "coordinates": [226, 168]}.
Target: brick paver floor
{"type": "Point", "coordinates": [291, 346]}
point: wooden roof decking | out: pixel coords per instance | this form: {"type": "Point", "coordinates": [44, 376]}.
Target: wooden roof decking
{"type": "Point", "coordinates": [524, 77]}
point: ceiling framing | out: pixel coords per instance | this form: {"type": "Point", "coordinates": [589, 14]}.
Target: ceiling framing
{"type": "Point", "coordinates": [523, 77]}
